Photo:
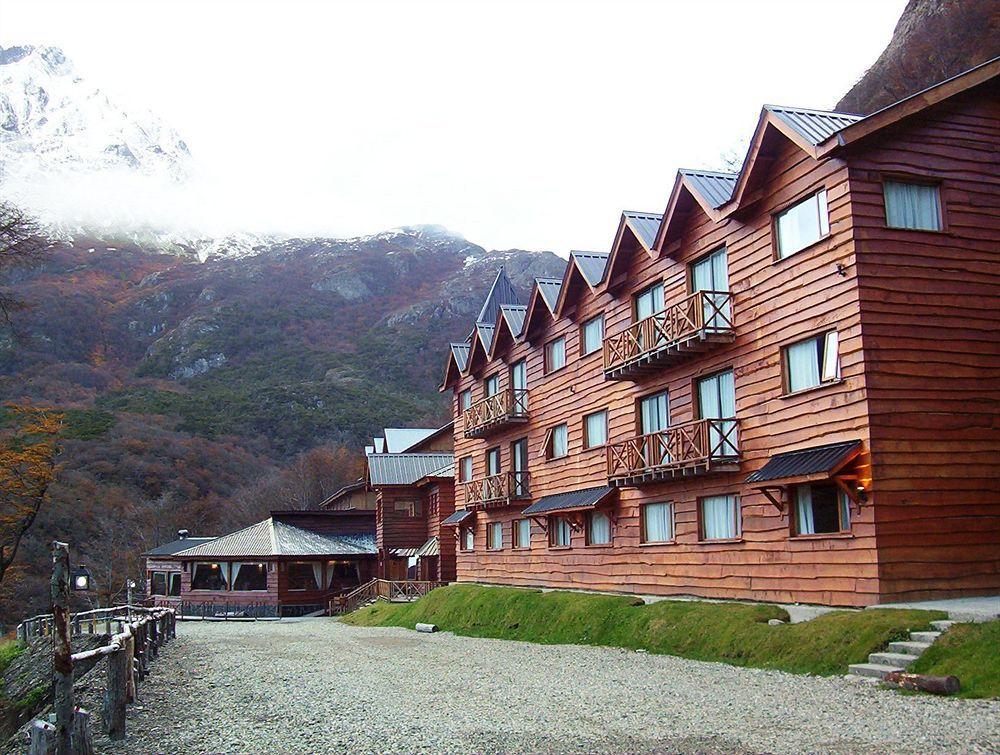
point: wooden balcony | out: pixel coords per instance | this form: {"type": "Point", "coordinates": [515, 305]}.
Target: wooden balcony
{"type": "Point", "coordinates": [688, 327]}
{"type": "Point", "coordinates": [496, 412]}
{"type": "Point", "coordinates": [497, 490]}
{"type": "Point", "coordinates": [692, 448]}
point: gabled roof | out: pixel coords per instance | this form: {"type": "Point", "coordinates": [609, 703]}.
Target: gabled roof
{"type": "Point", "coordinates": [644, 225]}
{"type": "Point", "coordinates": [549, 289]}
{"type": "Point", "coordinates": [510, 324]}
{"type": "Point", "coordinates": [458, 358]}
{"type": "Point", "coordinates": [353, 487]}
{"type": "Point", "coordinates": [546, 291]}
{"type": "Point", "coordinates": [273, 537]}
{"type": "Point", "coordinates": [404, 468]}
{"type": "Point", "coordinates": [501, 292]}
{"type": "Point", "coordinates": [712, 188]}
{"type": "Point", "coordinates": [176, 546]}
{"type": "Point", "coordinates": [707, 189]}
{"type": "Point", "coordinates": [815, 126]}
{"type": "Point", "coordinates": [588, 267]}
{"type": "Point", "coordinates": [514, 316]}
{"type": "Point", "coordinates": [634, 225]}
{"type": "Point", "coordinates": [485, 333]}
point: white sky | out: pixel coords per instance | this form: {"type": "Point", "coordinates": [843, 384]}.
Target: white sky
{"type": "Point", "coordinates": [517, 124]}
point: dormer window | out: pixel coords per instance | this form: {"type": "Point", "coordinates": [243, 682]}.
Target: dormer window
{"type": "Point", "coordinates": [802, 224]}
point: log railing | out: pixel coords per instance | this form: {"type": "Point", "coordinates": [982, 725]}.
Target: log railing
{"type": "Point", "coordinates": [689, 448]}
{"type": "Point", "coordinates": [96, 621]}
{"type": "Point", "coordinates": [496, 411]}
{"type": "Point", "coordinates": [382, 589]}
{"type": "Point", "coordinates": [496, 489]}
{"type": "Point", "coordinates": [699, 315]}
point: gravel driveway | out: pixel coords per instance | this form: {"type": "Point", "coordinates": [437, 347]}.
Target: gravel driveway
{"type": "Point", "coordinates": [317, 685]}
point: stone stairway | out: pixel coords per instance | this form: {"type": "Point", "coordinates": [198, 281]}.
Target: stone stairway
{"type": "Point", "coordinates": [900, 655]}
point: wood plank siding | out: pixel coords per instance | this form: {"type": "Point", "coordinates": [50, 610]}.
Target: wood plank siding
{"type": "Point", "coordinates": [917, 319]}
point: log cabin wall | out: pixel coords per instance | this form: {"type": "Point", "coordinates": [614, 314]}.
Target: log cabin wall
{"type": "Point", "coordinates": [931, 327]}
{"type": "Point", "coordinates": [441, 505]}
{"type": "Point", "coordinates": [774, 303]}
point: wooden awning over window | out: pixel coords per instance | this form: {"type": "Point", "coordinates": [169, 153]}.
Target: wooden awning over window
{"type": "Point", "coordinates": [832, 462]}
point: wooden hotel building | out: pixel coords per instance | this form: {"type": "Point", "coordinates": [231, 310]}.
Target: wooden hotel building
{"type": "Point", "coordinates": [786, 387]}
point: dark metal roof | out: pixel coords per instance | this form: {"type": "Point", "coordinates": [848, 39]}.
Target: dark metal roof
{"type": "Point", "coordinates": [458, 517]}
{"type": "Point", "coordinates": [814, 126]}
{"type": "Point", "coordinates": [501, 292]}
{"type": "Point", "coordinates": [591, 265]}
{"type": "Point", "coordinates": [277, 538]}
{"type": "Point", "coordinates": [404, 469]}
{"type": "Point", "coordinates": [169, 549]}
{"type": "Point", "coordinates": [514, 315]}
{"type": "Point", "coordinates": [485, 335]}
{"type": "Point", "coordinates": [460, 351]}
{"type": "Point", "coordinates": [716, 188]}
{"type": "Point", "coordinates": [805, 461]}
{"type": "Point", "coordinates": [549, 289]}
{"type": "Point", "coordinates": [576, 499]}
{"type": "Point", "coordinates": [644, 225]}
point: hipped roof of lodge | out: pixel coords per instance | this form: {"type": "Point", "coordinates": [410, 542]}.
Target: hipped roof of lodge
{"type": "Point", "coordinates": [274, 537]}
{"type": "Point", "coordinates": [819, 133]}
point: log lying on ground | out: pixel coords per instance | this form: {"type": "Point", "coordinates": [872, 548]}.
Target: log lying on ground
{"type": "Point", "coordinates": [426, 627]}
{"type": "Point", "coordinates": [939, 685]}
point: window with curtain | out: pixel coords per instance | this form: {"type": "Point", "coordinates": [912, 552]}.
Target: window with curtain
{"type": "Point", "coordinates": [559, 532]}
{"type": "Point", "coordinates": [598, 528]}
{"type": "Point", "coordinates": [812, 362]}
{"type": "Point", "coordinates": [519, 375]}
{"type": "Point", "coordinates": [210, 576]}
{"type": "Point", "coordinates": [304, 575]}
{"type": "Point", "coordinates": [557, 442]}
{"type": "Point", "coordinates": [717, 400]}
{"type": "Point", "coordinates": [595, 429]}
{"type": "Point", "coordinates": [821, 509]}
{"type": "Point", "coordinates": [464, 400]}
{"type": "Point", "coordinates": [468, 538]}
{"type": "Point", "coordinates": [174, 583]}
{"type": "Point", "coordinates": [522, 533]}
{"type": "Point", "coordinates": [492, 385]}
{"type": "Point", "coordinates": [494, 535]}
{"type": "Point", "coordinates": [492, 462]}
{"type": "Point", "coordinates": [711, 273]}
{"type": "Point", "coordinates": [592, 335]}
{"type": "Point", "coordinates": [158, 583]}
{"type": "Point", "coordinates": [249, 576]}
{"type": "Point", "coordinates": [465, 469]}
{"type": "Point", "coordinates": [913, 206]}
{"type": "Point", "coordinates": [648, 302]}
{"type": "Point", "coordinates": [657, 522]}
{"type": "Point", "coordinates": [519, 462]}
{"type": "Point", "coordinates": [720, 517]}
{"type": "Point", "coordinates": [654, 413]}
{"type": "Point", "coordinates": [802, 224]}
{"type": "Point", "coordinates": [555, 355]}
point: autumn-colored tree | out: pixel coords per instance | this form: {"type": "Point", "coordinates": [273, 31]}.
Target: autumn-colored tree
{"type": "Point", "coordinates": [21, 244]}
{"type": "Point", "coordinates": [28, 449]}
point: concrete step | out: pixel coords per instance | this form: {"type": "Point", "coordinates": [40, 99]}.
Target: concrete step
{"type": "Point", "coordinates": [924, 636]}
{"type": "Point", "coordinates": [943, 625]}
{"type": "Point", "coordinates": [909, 648]}
{"type": "Point", "coordinates": [898, 660]}
{"type": "Point", "coordinates": [872, 670]}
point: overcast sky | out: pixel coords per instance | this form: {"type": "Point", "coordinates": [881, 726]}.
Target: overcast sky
{"type": "Point", "coordinates": [517, 124]}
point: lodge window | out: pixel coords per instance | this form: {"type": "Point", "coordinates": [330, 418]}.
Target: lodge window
{"type": "Point", "coordinates": [654, 413]}
{"type": "Point", "coordinates": [591, 335]}
{"type": "Point", "coordinates": [657, 522]}
{"type": "Point", "coordinates": [493, 462]}
{"type": "Point", "coordinates": [304, 575]}
{"type": "Point", "coordinates": [555, 355]}
{"type": "Point", "coordinates": [249, 576]}
{"type": "Point", "coordinates": [468, 539]}
{"type": "Point", "coordinates": [711, 273]}
{"type": "Point", "coordinates": [494, 536]}
{"type": "Point", "coordinates": [210, 576]}
{"type": "Point", "coordinates": [465, 469]}
{"type": "Point", "coordinates": [464, 400]}
{"type": "Point", "coordinates": [820, 510]}
{"type": "Point", "coordinates": [559, 532]}
{"type": "Point", "coordinates": [598, 528]}
{"type": "Point", "coordinates": [720, 517]}
{"type": "Point", "coordinates": [802, 224]}
{"type": "Point", "coordinates": [648, 302]}
{"type": "Point", "coordinates": [595, 429]}
{"type": "Point", "coordinates": [556, 442]}
{"type": "Point", "coordinates": [519, 464]}
{"type": "Point", "coordinates": [491, 385]}
{"type": "Point", "coordinates": [407, 506]}
{"type": "Point", "coordinates": [812, 362]}
{"type": "Point", "coordinates": [717, 400]}
{"type": "Point", "coordinates": [522, 533]}
{"type": "Point", "coordinates": [174, 583]}
{"type": "Point", "coordinates": [912, 206]}
{"type": "Point", "coordinates": [519, 378]}
{"type": "Point", "coordinates": [158, 583]}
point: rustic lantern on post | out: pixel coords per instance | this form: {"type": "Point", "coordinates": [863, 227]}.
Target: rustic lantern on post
{"type": "Point", "coordinates": [83, 580]}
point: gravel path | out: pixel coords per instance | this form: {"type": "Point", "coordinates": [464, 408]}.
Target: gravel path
{"type": "Point", "coordinates": [321, 686]}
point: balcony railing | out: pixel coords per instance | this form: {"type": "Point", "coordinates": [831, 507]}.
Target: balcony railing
{"type": "Point", "coordinates": [493, 413]}
{"type": "Point", "coordinates": [699, 447]}
{"type": "Point", "coordinates": [496, 490]}
{"type": "Point", "coordinates": [692, 325]}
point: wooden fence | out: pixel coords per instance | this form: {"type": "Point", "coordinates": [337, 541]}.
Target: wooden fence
{"type": "Point", "coordinates": [397, 591]}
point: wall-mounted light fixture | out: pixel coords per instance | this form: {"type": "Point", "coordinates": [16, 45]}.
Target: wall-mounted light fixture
{"type": "Point", "coordinates": [83, 580]}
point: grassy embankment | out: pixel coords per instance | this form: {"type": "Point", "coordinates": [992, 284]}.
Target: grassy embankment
{"type": "Point", "coordinates": [972, 653]}
{"type": "Point", "coordinates": [733, 633]}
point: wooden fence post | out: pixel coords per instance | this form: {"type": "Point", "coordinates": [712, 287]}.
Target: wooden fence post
{"type": "Point", "coordinates": [41, 738]}
{"type": "Point", "coordinates": [83, 743]}
{"type": "Point", "coordinates": [116, 695]}
{"type": "Point", "coordinates": [62, 655]}
{"type": "Point", "coordinates": [130, 665]}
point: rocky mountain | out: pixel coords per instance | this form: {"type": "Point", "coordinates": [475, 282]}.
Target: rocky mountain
{"type": "Point", "coordinates": [933, 40]}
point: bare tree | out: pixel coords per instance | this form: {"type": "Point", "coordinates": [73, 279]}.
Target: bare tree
{"type": "Point", "coordinates": [21, 244]}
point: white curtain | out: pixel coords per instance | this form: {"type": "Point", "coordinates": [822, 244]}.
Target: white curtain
{"type": "Point", "coordinates": [600, 528]}
{"type": "Point", "coordinates": [220, 570]}
{"type": "Point", "coordinates": [493, 462]}
{"type": "Point", "coordinates": [235, 566]}
{"type": "Point", "coordinates": [524, 533]}
{"type": "Point", "coordinates": [845, 511]}
{"type": "Point", "coordinates": [803, 365]}
{"type": "Point", "coordinates": [559, 441]}
{"type": "Point", "coordinates": [562, 534]}
{"type": "Point", "coordinates": [519, 376]}
{"type": "Point", "coordinates": [803, 224]}
{"type": "Point", "coordinates": [831, 356]}
{"type": "Point", "coordinates": [597, 429]}
{"type": "Point", "coordinates": [712, 274]}
{"type": "Point", "coordinates": [649, 302]}
{"type": "Point", "coordinates": [804, 511]}
{"type": "Point", "coordinates": [331, 572]}
{"type": "Point", "coordinates": [659, 522]}
{"type": "Point", "coordinates": [655, 414]}
{"type": "Point", "coordinates": [496, 535]}
{"type": "Point", "coordinates": [469, 538]}
{"type": "Point", "coordinates": [718, 516]}
{"type": "Point", "coordinates": [318, 573]}
{"type": "Point", "coordinates": [912, 206]}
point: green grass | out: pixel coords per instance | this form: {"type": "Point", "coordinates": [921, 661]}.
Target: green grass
{"type": "Point", "coordinates": [972, 653]}
{"type": "Point", "coordinates": [735, 633]}
{"type": "Point", "coordinates": [8, 652]}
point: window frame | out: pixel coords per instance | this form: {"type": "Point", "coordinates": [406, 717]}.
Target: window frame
{"type": "Point", "coordinates": [414, 509]}
{"type": "Point", "coordinates": [547, 367]}
{"type": "Point", "coordinates": [486, 459]}
{"type": "Point", "coordinates": [900, 178]}
{"type": "Point", "coordinates": [638, 410]}
{"type": "Point", "coordinates": [495, 379]}
{"type": "Point", "coordinates": [461, 469]}
{"type": "Point", "coordinates": [548, 446]}
{"type": "Point", "coordinates": [224, 568]}
{"type": "Point", "coordinates": [463, 397]}
{"type": "Point", "coordinates": [587, 446]}
{"type": "Point", "coordinates": [642, 523]}
{"type": "Point", "coordinates": [786, 387]}
{"type": "Point", "coordinates": [491, 528]}
{"type": "Point", "coordinates": [737, 521]}
{"type": "Point", "coordinates": [588, 531]}
{"type": "Point", "coordinates": [843, 504]}
{"type": "Point", "coordinates": [583, 336]}
{"type": "Point", "coordinates": [777, 214]}
{"type": "Point", "coordinates": [552, 519]}
{"type": "Point", "coordinates": [289, 565]}
{"type": "Point", "coordinates": [464, 543]}
{"type": "Point", "coordinates": [232, 587]}
{"type": "Point", "coordinates": [166, 582]}
{"type": "Point", "coordinates": [515, 538]}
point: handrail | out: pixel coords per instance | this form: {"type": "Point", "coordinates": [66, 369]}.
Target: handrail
{"type": "Point", "coordinates": [506, 486]}
{"type": "Point", "coordinates": [43, 625]}
{"type": "Point", "coordinates": [382, 589]}
{"type": "Point", "coordinates": [690, 444]}
{"type": "Point", "coordinates": [510, 403]}
{"type": "Point", "coordinates": [703, 311]}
